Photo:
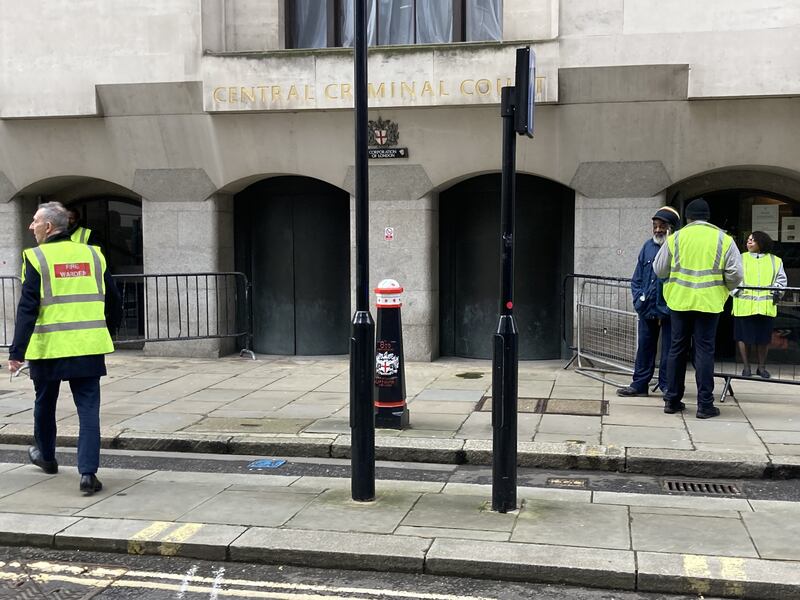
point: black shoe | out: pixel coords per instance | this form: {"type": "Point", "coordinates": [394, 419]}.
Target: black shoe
{"type": "Point", "coordinates": [628, 391]}
{"type": "Point", "coordinates": [707, 413]}
{"type": "Point", "coordinates": [747, 373]}
{"type": "Point", "coordinates": [763, 373]}
{"type": "Point", "coordinates": [90, 484]}
{"type": "Point", "coordinates": [672, 407]}
{"type": "Point", "coordinates": [48, 466]}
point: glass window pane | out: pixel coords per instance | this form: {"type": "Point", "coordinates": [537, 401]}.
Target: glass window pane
{"type": "Point", "coordinates": [347, 15]}
{"type": "Point", "coordinates": [434, 21]}
{"type": "Point", "coordinates": [310, 24]}
{"type": "Point", "coordinates": [484, 20]}
{"type": "Point", "coordinates": [396, 22]}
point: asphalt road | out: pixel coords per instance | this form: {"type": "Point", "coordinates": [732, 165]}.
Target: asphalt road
{"type": "Point", "coordinates": [34, 574]}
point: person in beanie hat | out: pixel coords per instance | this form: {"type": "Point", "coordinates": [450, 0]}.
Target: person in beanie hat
{"type": "Point", "coordinates": [702, 265]}
{"type": "Point", "coordinates": [649, 303]}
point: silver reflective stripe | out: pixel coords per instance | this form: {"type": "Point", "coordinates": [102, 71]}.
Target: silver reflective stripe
{"type": "Point", "coordinates": [47, 284]}
{"type": "Point", "coordinates": [702, 273]}
{"type": "Point", "coordinates": [718, 257]}
{"type": "Point", "coordinates": [676, 262]}
{"type": "Point", "coordinates": [694, 284]}
{"type": "Point", "coordinates": [69, 326]}
{"type": "Point", "coordinates": [98, 270]}
{"type": "Point", "coordinates": [717, 270]}
{"type": "Point", "coordinates": [72, 298]}
{"type": "Point", "coordinates": [754, 298]}
{"type": "Point", "coordinates": [774, 271]}
{"type": "Point", "coordinates": [84, 235]}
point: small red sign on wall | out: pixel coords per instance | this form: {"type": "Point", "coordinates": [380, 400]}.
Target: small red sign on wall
{"type": "Point", "coordinates": [72, 270]}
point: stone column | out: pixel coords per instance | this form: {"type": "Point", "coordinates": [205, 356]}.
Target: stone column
{"type": "Point", "coordinates": [401, 199]}
{"type": "Point", "coordinates": [614, 205]}
{"type": "Point", "coordinates": [187, 229]}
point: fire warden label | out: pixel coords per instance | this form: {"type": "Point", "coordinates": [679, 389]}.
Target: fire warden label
{"type": "Point", "coordinates": [72, 270]}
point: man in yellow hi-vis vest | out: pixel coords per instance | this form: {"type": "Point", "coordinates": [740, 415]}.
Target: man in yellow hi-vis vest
{"type": "Point", "coordinates": [68, 306]}
{"type": "Point", "coordinates": [702, 265]}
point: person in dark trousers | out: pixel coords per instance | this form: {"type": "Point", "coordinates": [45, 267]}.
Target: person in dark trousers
{"type": "Point", "coordinates": [649, 303]}
{"type": "Point", "coordinates": [702, 264]}
{"type": "Point", "coordinates": [67, 311]}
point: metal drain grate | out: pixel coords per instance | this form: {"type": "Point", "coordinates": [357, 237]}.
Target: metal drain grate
{"type": "Point", "coordinates": [702, 487]}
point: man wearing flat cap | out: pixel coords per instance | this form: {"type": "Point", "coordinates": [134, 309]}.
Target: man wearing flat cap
{"type": "Point", "coordinates": [648, 301]}
{"type": "Point", "coordinates": [702, 265]}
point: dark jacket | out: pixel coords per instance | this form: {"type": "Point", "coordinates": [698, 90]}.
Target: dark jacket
{"type": "Point", "coordinates": [72, 367]}
{"type": "Point", "coordinates": [645, 283]}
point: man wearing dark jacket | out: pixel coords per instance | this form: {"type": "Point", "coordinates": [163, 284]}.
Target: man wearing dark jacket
{"type": "Point", "coordinates": [649, 303]}
{"type": "Point", "coordinates": [68, 307]}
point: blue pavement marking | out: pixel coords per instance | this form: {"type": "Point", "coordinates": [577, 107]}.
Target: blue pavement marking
{"type": "Point", "coordinates": [266, 463]}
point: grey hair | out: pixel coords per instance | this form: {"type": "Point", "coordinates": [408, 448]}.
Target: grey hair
{"type": "Point", "coordinates": [55, 214]}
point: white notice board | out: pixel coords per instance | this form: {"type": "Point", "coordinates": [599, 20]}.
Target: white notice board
{"type": "Point", "coordinates": [790, 231]}
{"type": "Point", "coordinates": [766, 218]}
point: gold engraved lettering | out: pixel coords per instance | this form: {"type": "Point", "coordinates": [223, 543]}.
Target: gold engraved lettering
{"type": "Point", "coordinates": [308, 92]}
{"type": "Point", "coordinates": [379, 92]}
{"type": "Point", "coordinates": [216, 94]}
{"type": "Point", "coordinates": [463, 87]}
{"type": "Point", "coordinates": [427, 88]}
{"type": "Point", "coordinates": [233, 95]}
{"type": "Point", "coordinates": [443, 89]}
{"type": "Point", "coordinates": [500, 85]}
{"type": "Point", "coordinates": [293, 94]}
{"type": "Point", "coordinates": [346, 93]}
{"type": "Point", "coordinates": [483, 87]}
{"type": "Point", "coordinates": [263, 90]}
{"type": "Point", "coordinates": [393, 94]}
{"type": "Point", "coordinates": [248, 94]}
{"type": "Point", "coordinates": [328, 91]}
{"type": "Point", "coordinates": [276, 92]}
{"type": "Point", "coordinates": [411, 89]}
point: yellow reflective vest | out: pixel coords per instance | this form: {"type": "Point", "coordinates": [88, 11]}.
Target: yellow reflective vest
{"type": "Point", "coordinates": [81, 235]}
{"type": "Point", "coordinates": [71, 320]}
{"type": "Point", "coordinates": [758, 272]}
{"type": "Point", "coordinates": [697, 268]}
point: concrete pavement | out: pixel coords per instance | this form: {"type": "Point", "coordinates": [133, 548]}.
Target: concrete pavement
{"type": "Point", "coordinates": [727, 547]}
{"type": "Point", "coordinates": [297, 406]}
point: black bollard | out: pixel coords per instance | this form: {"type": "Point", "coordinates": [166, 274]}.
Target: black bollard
{"type": "Point", "coordinates": [391, 411]}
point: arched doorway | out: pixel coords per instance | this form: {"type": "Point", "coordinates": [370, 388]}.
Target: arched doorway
{"type": "Point", "coordinates": [470, 264]}
{"type": "Point", "coordinates": [293, 242]}
{"type": "Point", "coordinates": [740, 211]}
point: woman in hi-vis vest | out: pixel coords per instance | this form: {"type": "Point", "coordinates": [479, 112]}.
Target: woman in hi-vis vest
{"type": "Point", "coordinates": [754, 310]}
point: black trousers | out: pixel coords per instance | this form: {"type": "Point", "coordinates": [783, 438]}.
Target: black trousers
{"type": "Point", "coordinates": [700, 328]}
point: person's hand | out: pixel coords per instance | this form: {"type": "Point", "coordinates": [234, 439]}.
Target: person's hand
{"type": "Point", "coordinates": [14, 365]}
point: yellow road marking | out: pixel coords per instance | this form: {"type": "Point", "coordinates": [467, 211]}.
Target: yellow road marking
{"type": "Point", "coordinates": [732, 571]}
{"type": "Point", "coordinates": [183, 533]}
{"type": "Point", "coordinates": [696, 567]}
{"type": "Point", "coordinates": [151, 530]}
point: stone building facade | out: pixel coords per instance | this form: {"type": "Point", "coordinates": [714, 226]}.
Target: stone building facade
{"type": "Point", "coordinates": [196, 139]}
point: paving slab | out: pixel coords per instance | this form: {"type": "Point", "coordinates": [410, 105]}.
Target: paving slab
{"type": "Point", "coordinates": [679, 534]}
{"type": "Point", "coordinates": [316, 447]}
{"type": "Point", "coordinates": [335, 510]}
{"type": "Point", "coordinates": [774, 535]}
{"type": "Point", "coordinates": [573, 524]}
{"type": "Point", "coordinates": [712, 576]}
{"type": "Point", "coordinates": [596, 567]}
{"type": "Point", "coordinates": [646, 437]}
{"type": "Point", "coordinates": [193, 540]}
{"type": "Point", "coordinates": [329, 549]}
{"type": "Point", "coordinates": [570, 424]}
{"type": "Point", "coordinates": [460, 534]}
{"type": "Point", "coordinates": [672, 501]}
{"type": "Point", "coordinates": [19, 529]}
{"type": "Point", "coordinates": [448, 395]}
{"type": "Point", "coordinates": [642, 416]}
{"type": "Point", "coordinates": [163, 422]}
{"type": "Point", "coordinates": [263, 508]}
{"type": "Point", "coordinates": [454, 511]}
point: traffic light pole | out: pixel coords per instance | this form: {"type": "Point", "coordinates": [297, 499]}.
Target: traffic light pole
{"type": "Point", "coordinates": [362, 337]}
{"type": "Point", "coordinates": [505, 356]}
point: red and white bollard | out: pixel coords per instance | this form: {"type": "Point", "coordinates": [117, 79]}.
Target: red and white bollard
{"type": "Point", "coordinates": [391, 411]}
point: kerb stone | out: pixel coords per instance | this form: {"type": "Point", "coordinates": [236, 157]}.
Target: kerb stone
{"type": "Point", "coordinates": [281, 446]}
{"type": "Point", "coordinates": [330, 549]}
{"type": "Point", "coordinates": [594, 567]}
{"type": "Point", "coordinates": [713, 576]}
{"type": "Point", "coordinates": [407, 449]}
{"type": "Point", "coordinates": [173, 442]}
{"type": "Point", "coordinates": [29, 530]}
{"type": "Point", "coordinates": [694, 463]}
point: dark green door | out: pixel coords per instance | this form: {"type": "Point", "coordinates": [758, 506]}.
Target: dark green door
{"type": "Point", "coordinates": [470, 265]}
{"type": "Point", "coordinates": [293, 241]}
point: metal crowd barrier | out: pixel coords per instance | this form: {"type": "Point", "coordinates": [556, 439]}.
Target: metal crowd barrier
{"type": "Point", "coordinates": [10, 287]}
{"type": "Point", "coordinates": [171, 307]}
{"type": "Point", "coordinates": [604, 336]}
{"type": "Point", "coordinates": [783, 349]}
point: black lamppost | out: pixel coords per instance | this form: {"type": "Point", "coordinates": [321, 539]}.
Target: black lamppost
{"type": "Point", "coordinates": [517, 112]}
{"type": "Point", "coordinates": [362, 337]}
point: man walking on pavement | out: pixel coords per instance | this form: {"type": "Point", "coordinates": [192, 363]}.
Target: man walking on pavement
{"type": "Point", "coordinates": [702, 265]}
{"type": "Point", "coordinates": [648, 301]}
{"type": "Point", "coordinates": [67, 308]}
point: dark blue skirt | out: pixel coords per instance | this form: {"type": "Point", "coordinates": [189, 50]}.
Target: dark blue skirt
{"type": "Point", "coordinates": [756, 329]}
